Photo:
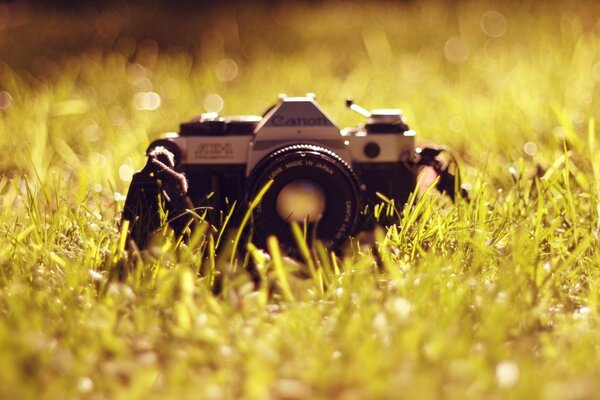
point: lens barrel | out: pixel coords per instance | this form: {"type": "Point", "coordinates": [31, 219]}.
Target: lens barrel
{"type": "Point", "coordinates": [293, 166]}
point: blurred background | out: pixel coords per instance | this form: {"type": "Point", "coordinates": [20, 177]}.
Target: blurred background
{"type": "Point", "coordinates": [85, 86]}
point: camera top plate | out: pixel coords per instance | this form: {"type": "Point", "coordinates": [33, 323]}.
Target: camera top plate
{"type": "Point", "coordinates": [295, 120]}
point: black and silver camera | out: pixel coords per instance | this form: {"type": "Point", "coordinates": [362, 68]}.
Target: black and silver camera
{"type": "Point", "coordinates": [315, 174]}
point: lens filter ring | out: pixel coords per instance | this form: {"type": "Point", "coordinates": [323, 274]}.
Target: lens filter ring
{"type": "Point", "coordinates": [305, 172]}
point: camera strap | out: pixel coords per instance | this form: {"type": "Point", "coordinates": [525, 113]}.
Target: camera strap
{"type": "Point", "coordinates": [448, 183]}
{"type": "Point", "coordinates": [156, 185]}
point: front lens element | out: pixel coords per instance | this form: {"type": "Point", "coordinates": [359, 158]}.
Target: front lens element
{"type": "Point", "coordinates": [301, 200]}
{"type": "Point", "coordinates": [310, 185]}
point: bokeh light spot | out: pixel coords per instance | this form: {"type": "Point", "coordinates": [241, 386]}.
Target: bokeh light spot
{"type": "Point", "coordinates": [5, 100]}
{"type": "Point", "coordinates": [125, 173]}
{"type": "Point", "coordinates": [227, 70]}
{"type": "Point", "coordinates": [135, 73]}
{"type": "Point", "coordinates": [586, 98]}
{"type": "Point", "coordinates": [507, 374]}
{"type": "Point", "coordinates": [146, 101]}
{"type": "Point", "coordinates": [456, 50]}
{"type": "Point", "coordinates": [147, 52]}
{"type": "Point", "coordinates": [85, 385]}
{"type": "Point", "coordinates": [530, 148]}
{"type": "Point", "coordinates": [119, 196]}
{"type": "Point", "coordinates": [558, 131]}
{"type": "Point", "coordinates": [493, 24]}
{"type": "Point", "coordinates": [577, 116]}
{"type": "Point", "coordinates": [456, 124]}
{"type": "Point", "coordinates": [98, 160]}
{"type": "Point", "coordinates": [117, 115]}
{"type": "Point", "coordinates": [213, 103]}
{"type": "Point", "coordinates": [138, 75]}
{"type": "Point", "coordinates": [93, 133]}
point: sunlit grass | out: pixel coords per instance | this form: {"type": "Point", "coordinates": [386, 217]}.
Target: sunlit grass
{"type": "Point", "coordinates": [496, 297]}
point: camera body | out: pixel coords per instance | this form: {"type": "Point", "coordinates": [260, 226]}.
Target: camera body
{"type": "Point", "coordinates": [317, 174]}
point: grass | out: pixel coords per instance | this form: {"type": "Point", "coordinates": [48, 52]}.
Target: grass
{"type": "Point", "coordinates": [496, 298]}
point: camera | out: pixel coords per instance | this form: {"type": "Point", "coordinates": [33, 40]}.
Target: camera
{"type": "Point", "coordinates": [291, 164]}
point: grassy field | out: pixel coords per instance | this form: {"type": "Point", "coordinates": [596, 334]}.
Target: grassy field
{"type": "Point", "coordinates": [496, 298]}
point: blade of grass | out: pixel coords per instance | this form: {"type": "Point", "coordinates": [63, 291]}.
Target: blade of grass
{"type": "Point", "coordinates": [280, 271]}
{"type": "Point", "coordinates": [245, 220]}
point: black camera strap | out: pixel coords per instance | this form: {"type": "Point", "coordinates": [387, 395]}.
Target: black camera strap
{"type": "Point", "coordinates": [448, 183]}
{"type": "Point", "coordinates": [157, 187]}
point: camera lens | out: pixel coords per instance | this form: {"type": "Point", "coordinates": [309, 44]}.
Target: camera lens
{"type": "Point", "coordinates": [301, 200]}
{"type": "Point", "coordinates": [311, 185]}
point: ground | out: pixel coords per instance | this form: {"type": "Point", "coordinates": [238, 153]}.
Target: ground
{"type": "Point", "coordinates": [493, 298]}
